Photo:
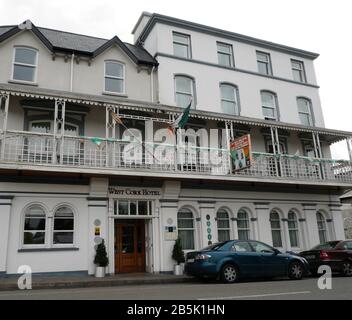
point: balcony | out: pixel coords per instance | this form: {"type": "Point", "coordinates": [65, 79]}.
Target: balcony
{"type": "Point", "coordinates": [27, 150]}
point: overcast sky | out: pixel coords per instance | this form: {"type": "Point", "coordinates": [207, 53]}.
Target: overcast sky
{"type": "Point", "coordinates": [321, 26]}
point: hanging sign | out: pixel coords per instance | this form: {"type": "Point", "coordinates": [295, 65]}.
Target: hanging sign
{"type": "Point", "coordinates": [240, 150]}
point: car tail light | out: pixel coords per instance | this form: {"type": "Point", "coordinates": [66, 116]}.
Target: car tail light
{"type": "Point", "coordinates": [324, 255]}
{"type": "Point", "coordinates": [202, 257]}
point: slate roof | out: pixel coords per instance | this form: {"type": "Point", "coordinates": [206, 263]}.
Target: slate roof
{"type": "Point", "coordinates": [81, 44]}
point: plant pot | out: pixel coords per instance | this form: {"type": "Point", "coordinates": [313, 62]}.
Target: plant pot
{"type": "Point", "coordinates": [178, 270]}
{"type": "Point", "coordinates": [100, 272]}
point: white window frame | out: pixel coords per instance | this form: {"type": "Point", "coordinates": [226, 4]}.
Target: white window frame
{"type": "Point", "coordinates": [295, 230]}
{"type": "Point", "coordinates": [192, 94]}
{"type": "Point", "coordinates": [248, 230]}
{"type": "Point", "coordinates": [188, 45]}
{"type": "Point", "coordinates": [301, 70]}
{"type": "Point", "coordinates": [230, 55]}
{"type": "Point", "coordinates": [35, 66]}
{"type": "Point", "coordinates": [188, 229]}
{"type": "Point", "coordinates": [268, 62]}
{"type": "Point", "coordinates": [115, 205]}
{"type": "Point", "coordinates": [309, 113]}
{"type": "Point", "coordinates": [325, 229]}
{"type": "Point", "coordinates": [275, 107]}
{"type": "Point", "coordinates": [64, 245]}
{"type": "Point", "coordinates": [123, 78]}
{"type": "Point", "coordinates": [223, 219]}
{"type": "Point", "coordinates": [236, 95]}
{"type": "Point", "coordinates": [276, 229]}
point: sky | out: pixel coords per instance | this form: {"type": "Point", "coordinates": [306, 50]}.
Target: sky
{"type": "Point", "coordinates": [321, 26]}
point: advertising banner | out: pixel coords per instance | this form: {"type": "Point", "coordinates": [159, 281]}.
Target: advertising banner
{"type": "Point", "coordinates": [240, 150]}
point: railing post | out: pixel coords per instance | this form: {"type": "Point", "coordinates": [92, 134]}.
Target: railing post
{"type": "Point", "coordinates": [4, 110]}
{"type": "Point", "coordinates": [110, 131]}
{"type": "Point", "coordinates": [273, 140]}
{"type": "Point", "coordinates": [228, 138]}
{"type": "Point", "coordinates": [59, 129]}
{"type": "Point", "coordinates": [349, 147]}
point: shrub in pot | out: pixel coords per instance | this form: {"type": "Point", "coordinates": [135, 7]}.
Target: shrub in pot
{"type": "Point", "coordinates": [101, 260]}
{"type": "Point", "coordinates": [179, 256]}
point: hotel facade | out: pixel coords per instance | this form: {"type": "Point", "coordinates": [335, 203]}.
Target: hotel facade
{"type": "Point", "coordinates": [71, 175]}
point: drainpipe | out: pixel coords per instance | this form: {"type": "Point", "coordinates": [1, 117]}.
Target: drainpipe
{"type": "Point", "coordinates": [152, 84]}
{"type": "Point", "coordinates": [71, 72]}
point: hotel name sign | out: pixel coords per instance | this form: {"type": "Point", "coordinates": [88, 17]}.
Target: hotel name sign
{"type": "Point", "coordinates": [131, 192]}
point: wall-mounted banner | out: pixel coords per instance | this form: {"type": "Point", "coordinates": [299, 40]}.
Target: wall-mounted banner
{"type": "Point", "coordinates": [240, 150]}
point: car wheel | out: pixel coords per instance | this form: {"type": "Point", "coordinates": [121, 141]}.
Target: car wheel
{"type": "Point", "coordinates": [295, 271]}
{"type": "Point", "coordinates": [347, 268]}
{"type": "Point", "coordinates": [229, 273]}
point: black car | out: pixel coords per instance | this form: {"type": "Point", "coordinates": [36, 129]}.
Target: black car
{"type": "Point", "coordinates": [336, 254]}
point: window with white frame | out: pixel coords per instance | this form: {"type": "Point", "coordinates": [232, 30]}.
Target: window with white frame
{"type": "Point", "coordinates": [133, 207]}
{"type": "Point", "coordinates": [269, 105]}
{"type": "Point", "coordinates": [223, 224]}
{"type": "Point", "coordinates": [225, 54]}
{"type": "Point", "coordinates": [182, 45]}
{"type": "Point", "coordinates": [293, 229]}
{"type": "Point", "coordinates": [114, 77]}
{"type": "Point", "coordinates": [185, 224]}
{"type": "Point", "coordinates": [298, 70]}
{"type": "Point", "coordinates": [322, 227]}
{"type": "Point", "coordinates": [63, 226]}
{"type": "Point", "coordinates": [243, 227]}
{"type": "Point", "coordinates": [34, 226]}
{"type": "Point", "coordinates": [184, 91]}
{"type": "Point", "coordinates": [25, 64]}
{"type": "Point", "coordinates": [305, 111]}
{"type": "Point", "coordinates": [229, 99]}
{"type": "Point", "coordinates": [276, 228]}
{"type": "Point", "coordinates": [264, 63]}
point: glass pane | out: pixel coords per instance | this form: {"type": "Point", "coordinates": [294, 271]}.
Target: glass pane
{"type": "Point", "coordinates": [34, 238]}
{"type": "Point", "coordinates": [64, 212]}
{"type": "Point", "coordinates": [303, 105]}
{"type": "Point", "coordinates": [185, 223]}
{"type": "Point", "coordinates": [23, 73]}
{"type": "Point", "coordinates": [187, 239]}
{"type": "Point", "coordinates": [27, 56]}
{"type": "Point", "coordinates": [229, 107]}
{"type": "Point", "coordinates": [184, 85]}
{"type": "Point", "coordinates": [224, 59]}
{"type": "Point", "coordinates": [222, 215]}
{"type": "Point", "coordinates": [143, 208]}
{"type": "Point", "coordinates": [322, 236]}
{"type": "Point", "coordinates": [123, 207]}
{"type": "Point", "coordinates": [242, 247]}
{"type": "Point", "coordinates": [127, 239]}
{"type": "Point", "coordinates": [242, 215]}
{"type": "Point", "coordinates": [226, 48]}
{"type": "Point", "coordinates": [243, 224]}
{"type": "Point", "coordinates": [262, 57]}
{"type": "Point", "coordinates": [183, 100]}
{"type": "Point", "coordinates": [40, 127]}
{"type": "Point", "coordinates": [261, 247]}
{"type": "Point", "coordinates": [296, 65]}
{"type": "Point", "coordinates": [133, 208]}
{"type": "Point", "coordinates": [263, 67]}
{"type": "Point", "coordinates": [268, 112]}
{"type": "Point", "coordinates": [114, 69]}
{"type": "Point", "coordinates": [223, 224]}
{"type": "Point", "coordinates": [297, 75]}
{"type": "Point", "coordinates": [228, 92]}
{"type": "Point", "coordinates": [63, 224]}
{"type": "Point", "coordinates": [277, 242]}
{"type": "Point", "coordinates": [185, 214]}
{"type": "Point", "coordinates": [275, 224]}
{"type": "Point", "coordinates": [243, 234]}
{"type": "Point", "coordinates": [34, 224]}
{"type": "Point", "coordinates": [35, 211]}
{"type": "Point", "coordinates": [305, 119]}
{"type": "Point", "coordinates": [181, 50]}
{"type": "Point", "coordinates": [63, 237]}
{"type": "Point", "coordinates": [223, 235]}
{"type": "Point", "coordinates": [268, 99]}
{"type": "Point", "coordinates": [294, 238]}
{"type": "Point", "coordinates": [181, 38]}
{"type": "Point", "coordinates": [114, 85]}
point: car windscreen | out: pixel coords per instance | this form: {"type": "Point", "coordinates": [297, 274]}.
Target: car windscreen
{"type": "Point", "coordinates": [326, 245]}
{"type": "Point", "coordinates": [215, 246]}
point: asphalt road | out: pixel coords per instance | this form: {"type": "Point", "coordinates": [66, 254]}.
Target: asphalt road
{"type": "Point", "coordinates": [306, 289]}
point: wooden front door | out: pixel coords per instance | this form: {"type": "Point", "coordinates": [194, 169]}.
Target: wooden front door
{"type": "Point", "coordinates": [129, 246]}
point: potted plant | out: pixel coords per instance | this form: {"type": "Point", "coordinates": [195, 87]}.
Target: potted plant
{"type": "Point", "coordinates": [179, 256]}
{"type": "Point", "coordinates": [101, 260]}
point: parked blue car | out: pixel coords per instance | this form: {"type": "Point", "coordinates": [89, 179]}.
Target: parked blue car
{"type": "Point", "coordinates": [235, 259]}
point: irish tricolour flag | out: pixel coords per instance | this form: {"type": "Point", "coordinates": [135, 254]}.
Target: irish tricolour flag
{"type": "Point", "coordinates": [181, 119]}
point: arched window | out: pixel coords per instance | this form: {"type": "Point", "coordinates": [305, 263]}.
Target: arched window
{"type": "Point", "coordinates": [322, 227]}
{"type": "Point", "coordinates": [223, 223]}
{"type": "Point", "coordinates": [114, 74]}
{"type": "Point", "coordinates": [269, 105]}
{"type": "Point", "coordinates": [229, 99]}
{"type": "Point", "coordinates": [184, 91]}
{"type": "Point", "coordinates": [276, 229]}
{"type": "Point", "coordinates": [243, 227]}
{"type": "Point", "coordinates": [305, 111]}
{"type": "Point", "coordinates": [34, 226]}
{"type": "Point", "coordinates": [63, 226]}
{"type": "Point", "coordinates": [185, 224]}
{"type": "Point", "coordinates": [25, 64]}
{"type": "Point", "coordinates": [293, 229]}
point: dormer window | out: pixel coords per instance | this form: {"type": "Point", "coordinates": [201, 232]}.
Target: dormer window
{"type": "Point", "coordinates": [114, 77]}
{"type": "Point", "coordinates": [25, 64]}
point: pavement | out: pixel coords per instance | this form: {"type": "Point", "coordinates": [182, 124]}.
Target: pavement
{"type": "Point", "coordinates": [59, 282]}
{"type": "Point", "coordinates": [279, 289]}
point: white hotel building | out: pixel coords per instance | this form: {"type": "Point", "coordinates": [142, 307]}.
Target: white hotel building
{"type": "Point", "coordinates": [65, 180]}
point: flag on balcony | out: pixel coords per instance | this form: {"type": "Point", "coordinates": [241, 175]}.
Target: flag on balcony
{"type": "Point", "coordinates": [181, 119]}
